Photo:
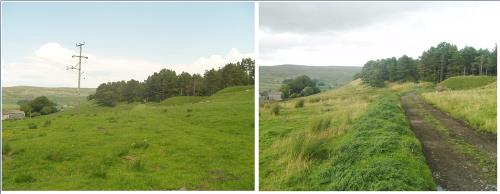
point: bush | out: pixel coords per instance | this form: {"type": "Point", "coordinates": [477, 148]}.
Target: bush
{"type": "Point", "coordinates": [32, 126]}
{"type": "Point", "coordinates": [299, 103]}
{"type": "Point", "coordinates": [275, 110]}
{"type": "Point", "coordinates": [189, 110]}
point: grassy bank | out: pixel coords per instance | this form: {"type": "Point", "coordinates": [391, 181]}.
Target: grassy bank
{"type": "Point", "coordinates": [335, 142]}
{"type": "Point", "coordinates": [475, 106]}
{"type": "Point", "coordinates": [190, 143]}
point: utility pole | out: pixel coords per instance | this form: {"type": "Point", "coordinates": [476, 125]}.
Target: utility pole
{"type": "Point", "coordinates": [79, 68]}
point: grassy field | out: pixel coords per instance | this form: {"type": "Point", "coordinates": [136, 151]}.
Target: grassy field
{"type": "Point", "coordinates": [476, 106]}
{"type": "Point", "coordinates": [61, 96]}
{"type": "Point", "coordinates": [271, 77]}
{"type": "Point", "coordinates": [351, 138]}
{"type": "Point", "coordinates": [191, 143]}
{"type": "Point", "coordinates": [467, 82]}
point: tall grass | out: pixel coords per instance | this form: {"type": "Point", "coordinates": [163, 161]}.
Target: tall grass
{"type": "Point", "coordinates": [476, 106]}
{"type": "Point", "coordinates": [309, 148]}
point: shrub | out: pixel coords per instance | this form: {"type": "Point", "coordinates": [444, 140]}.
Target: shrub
{"type": "Point", "coordinates": [275, 110]}
{"type": "Point", "coordinates": [299, 103]}
{"type": "Point", "coordinates": [189, 110]}
{"type": "Point", "coordinates": [47, 123]}
{"type": "Point", "coordinates": [165, 110]}
{"type": "Point", "coordinates": [32, 126]}
{"type": "Point", "coordinates": [24, 178]}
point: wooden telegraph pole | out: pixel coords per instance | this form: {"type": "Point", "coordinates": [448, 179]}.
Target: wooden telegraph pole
{"type": "Point", "coordinates": [79, 68]}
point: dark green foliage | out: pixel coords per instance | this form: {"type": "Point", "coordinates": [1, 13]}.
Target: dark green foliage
{"type": "Point", "coordinates": [24, 178]}
{"type": "Point", "coordinates": [299, 103]}
{"type": "Point", "coordinates": [39, 106]}
{"type": "Point", "coordinates": [360, 162]}
{"type": "Point", "coordinates": [32, 126]}
{"type": "Point", "coordinates": [166, 83]}
{"type": "Point", "coordinates": [300, 86]}
{"type": "Point", "coordinates": [434, 65]}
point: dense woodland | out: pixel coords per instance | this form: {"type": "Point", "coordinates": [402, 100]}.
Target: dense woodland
{"type": "Point", "coordinates": [434, 65]}
{"type": "Point", "coordinates": [300, 86]}
{"type": "Point", "coordinates": [167, 83]}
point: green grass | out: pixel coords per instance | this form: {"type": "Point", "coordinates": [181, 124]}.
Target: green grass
{"type": "Point", "coordinates": [271, 77]}
{"type": "Point", "coordinates": [475, 106]}
{"type": "Point", "coordinates": [467, 82]}
{"type": "Point", "coordinates": [136, 147]}
{"type": "Point", "coordinates": [335, 142]}
{"type": "Point", "coordinates": [61, 96]}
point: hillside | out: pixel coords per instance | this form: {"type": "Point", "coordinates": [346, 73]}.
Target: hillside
{"type": "Point", "coordinates": [467, 82]}
{"type": "Point", "coordinates": [186, 143]}
{"type": "Point", "coordinates": [61, 96]}
{"type": "Point", "coordinates": [271, 77]}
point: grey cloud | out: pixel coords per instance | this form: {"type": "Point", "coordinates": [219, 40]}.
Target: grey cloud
{"type": "Point", "coordinates": [311, 17]}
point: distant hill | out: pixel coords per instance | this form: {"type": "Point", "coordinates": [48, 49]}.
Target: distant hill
{"type": "Point", "coordinates": [61, 96]}
{"type": "Point", "coordinates": [271, 77]}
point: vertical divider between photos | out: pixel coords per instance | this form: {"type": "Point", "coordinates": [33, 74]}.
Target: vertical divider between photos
{"type": "Point", "coordinates": [256, 89]}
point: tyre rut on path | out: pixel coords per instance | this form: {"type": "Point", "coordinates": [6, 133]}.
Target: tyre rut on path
{"type": "Point", "coordinates": [451, 169]}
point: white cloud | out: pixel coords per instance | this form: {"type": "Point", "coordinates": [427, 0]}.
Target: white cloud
{"type": "Point", "coordinates": [410, 33]}
{"type": "Point", "coordinates": [47, 67]}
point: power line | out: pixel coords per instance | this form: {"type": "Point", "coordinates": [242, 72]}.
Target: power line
{"type": "Point", "coordinates": [79, 68]}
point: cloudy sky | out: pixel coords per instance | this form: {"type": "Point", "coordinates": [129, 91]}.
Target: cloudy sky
{"type": "Point", "coordinates": [351, 33]}
{"type": "Point", "coordinates": [127, 40]}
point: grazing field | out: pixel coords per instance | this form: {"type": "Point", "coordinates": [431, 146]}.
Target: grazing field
{"type": "Point", "coordinates": [61, 96]}
{"type": "Point", "coordinates": [352, 138]}
{"type": "Point", "coordinates": [184, 143]}
{"type": "Point", "coordinates": [476, 106]}
{"type": "Point", "coordinates": [271, 77]}
{"type": "Point", "coordinates": [467, 82]}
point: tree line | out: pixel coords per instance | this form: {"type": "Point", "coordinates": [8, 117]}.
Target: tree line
{"type": "Point", "coordinates": [167, 83]}
{"type": "Point", "coordinates": [434, 65]}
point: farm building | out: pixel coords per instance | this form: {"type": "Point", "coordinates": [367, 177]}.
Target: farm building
{"type": "Point", "coordinates": [270, 96]}
{"type": "Point", "coordinates": [12, 114]}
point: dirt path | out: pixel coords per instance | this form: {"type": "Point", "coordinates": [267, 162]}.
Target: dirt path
{"type": "Point", "coordinates": [451, 169]}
